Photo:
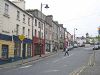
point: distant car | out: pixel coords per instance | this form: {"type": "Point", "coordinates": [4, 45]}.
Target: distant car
{"type": "Point", "coordinates": [83, 45]}
{"type": "Point", "coordinates": [75, 45]}
{"type": "Point", "coordinates": [96, 47]}
{"type": "Point", "coordinates": [70, 47]}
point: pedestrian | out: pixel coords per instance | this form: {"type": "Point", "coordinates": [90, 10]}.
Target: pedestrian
{"type": "Point", "coordinates": [66, 51]}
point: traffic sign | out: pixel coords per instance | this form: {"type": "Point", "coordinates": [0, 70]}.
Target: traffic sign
{"type": "Point", "coordinates": [21, 37]}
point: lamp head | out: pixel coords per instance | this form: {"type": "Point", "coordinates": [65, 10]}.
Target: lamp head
{"type": "Point", "coordinates": [46, 6]}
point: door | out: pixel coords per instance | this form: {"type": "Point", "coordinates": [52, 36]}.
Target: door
{"type": "Point", "coordinates": [5, 51]}
{"type": "Point", "coordinates": [24, 51]}
{"type": "Point", "coordinates": [37, 49]}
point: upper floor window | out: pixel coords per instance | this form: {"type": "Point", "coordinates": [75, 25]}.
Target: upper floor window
{"type": "Point", "coordinates": [28, 33]}
{"type": "Point", "coordinates": [28, 21]}
{"type": "Point", "coordinates": [6, 8]}
{"type": "Point", "coordinates": [23, 18]}
{"type": "Point", "coordinates": [23, 30]}
{"type": "Point", "coordinates": [39, 24]}
{"type": "Point", "coordinates": [35, 22]}
{"type": "Point", "coordinates": [60, 28]}
{"type": "Point", "coordinates": [17, 29]}
{"type": "Point", "coordinates": [42, 27]}
{"type": "Point", "coordinates": [18, 15]}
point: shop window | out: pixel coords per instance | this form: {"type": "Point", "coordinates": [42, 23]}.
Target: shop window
{"type": "Point", "coordinates": [28, 50]}
{"type": "Point", "coordinates": [17, 49]}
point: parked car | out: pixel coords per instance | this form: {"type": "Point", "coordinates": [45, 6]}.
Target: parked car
{"type": "Point", "coordinates": [96, 47]}
{"type": "Point", "coordinates": [83, 45]}
{"type": "Point", "coordinates": [70, 47]}
{"type": "Point", "coordinates": [75, 45]}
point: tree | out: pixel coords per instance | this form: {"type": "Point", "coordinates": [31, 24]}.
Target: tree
{"type": "Point", "coordinates": [98, 38]}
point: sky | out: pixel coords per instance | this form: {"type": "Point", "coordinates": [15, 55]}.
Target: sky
{"type": "Point", "coordinates": [81, 14]}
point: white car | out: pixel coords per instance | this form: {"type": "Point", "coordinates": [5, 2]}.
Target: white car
{"type": "Point", "coordinates": [96, 47]}
{"type": "Point", "coordinates": [70, 47]}
{"type": "Point", "coordinates": [75, 45]}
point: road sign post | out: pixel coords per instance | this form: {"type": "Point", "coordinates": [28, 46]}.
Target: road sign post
{"type": "Point", "coordinates": [22, 37]}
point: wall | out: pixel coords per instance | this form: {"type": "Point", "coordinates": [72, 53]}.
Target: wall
{"type": "Point", "coordinates": [9, 24]}
{"type": "Point", "coordinates": [11, 48]}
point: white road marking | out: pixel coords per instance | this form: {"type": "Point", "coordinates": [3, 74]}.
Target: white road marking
{"type": "Point", "coordinates": [88, 48]}
{"type": "Point", "coordinates": [81, 70]}
{"type": "Point", "coordinates": [64, 65]}
{"type": "Point", "coordinates": [51, 71]}
{"type": "Point", "coordinates": [26, 66]}
{"type": "Point", "coordinates": [78, 71]}
{"type": "Point", "coordinates": [47, 63]}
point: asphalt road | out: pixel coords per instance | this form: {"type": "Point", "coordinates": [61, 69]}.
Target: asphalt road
{"type": "Point", "coordinates": [57, 64]}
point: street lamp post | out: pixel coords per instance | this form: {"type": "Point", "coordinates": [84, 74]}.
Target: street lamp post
{"type": "Point", "coordinates": [74, 33]}
{"type": "Point", "coordinates": [46, 6]}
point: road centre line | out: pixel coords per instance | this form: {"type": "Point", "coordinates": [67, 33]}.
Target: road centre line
{"type": "Point", "coordinates": [26, 66]}
{"type": "Point", "coordinates": [78, 71]}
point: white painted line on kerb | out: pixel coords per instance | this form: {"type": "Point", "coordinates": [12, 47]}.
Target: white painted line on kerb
{"type": "Point", "coordinates": [51, 71]}
{"type": "Point", "coordinates": [26, 66]}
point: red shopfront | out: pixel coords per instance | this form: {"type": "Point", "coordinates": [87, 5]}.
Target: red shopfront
{"type": "Point", "coordinates": [36, 46]}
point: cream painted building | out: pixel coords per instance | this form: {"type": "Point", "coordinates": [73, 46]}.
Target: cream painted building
{"type": "Point", "coordinates": [14, 21]}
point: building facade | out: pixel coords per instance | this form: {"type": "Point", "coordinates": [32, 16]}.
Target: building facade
{"type": "Point", "coordinates": [70, 39]}
{"type": "Point", "coordinates": [55, 39]}
{"type": "Point", "coordinates": [38, 32]}
{"type": "Point", "coordinates": [26, 33]}
{"type": "Point", "coordinates": [66, 41]}
{"type": "Point", "coordinates": [14, 22]}
{"type": "Point", "coordinates": [48, 33]}
{"type": "Point", "coordinates": [62, 35]}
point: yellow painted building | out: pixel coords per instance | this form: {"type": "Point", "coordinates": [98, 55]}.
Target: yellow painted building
{"type": "Point", "coordinates": [6, 49]}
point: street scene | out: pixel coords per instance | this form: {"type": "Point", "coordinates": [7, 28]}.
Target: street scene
{"type": "Point", "coordinates": [43, 38]}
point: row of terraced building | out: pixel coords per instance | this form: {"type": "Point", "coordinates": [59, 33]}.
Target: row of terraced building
{"type": "Point", "coordinates": [41, 33]}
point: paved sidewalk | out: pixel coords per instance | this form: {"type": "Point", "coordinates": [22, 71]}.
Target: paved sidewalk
{"type": "Point", "coordinates": [26, 61]}
{"type": "Point", "coordinates": [93, 70]}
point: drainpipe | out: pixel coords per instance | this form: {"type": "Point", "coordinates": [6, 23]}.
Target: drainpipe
{"type": "Point", "coordinates": [32, 36]}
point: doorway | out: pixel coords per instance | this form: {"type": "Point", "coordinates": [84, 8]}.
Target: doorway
{"type": "Point", "coordinates": [5, 51]}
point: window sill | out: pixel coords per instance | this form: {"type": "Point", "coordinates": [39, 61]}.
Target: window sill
{"type": "Point", "coordinates": [29, 25]}
{"type": "Point", "coordinates": [24, 22]}
{"type": "Point", "coordinates": [6, 15]}
{"type": "Point", "coordinates": [17, 19]}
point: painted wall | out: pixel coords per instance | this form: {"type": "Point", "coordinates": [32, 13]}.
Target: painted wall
{"type": "Point", "coordinates": [10, 48]}
{"type": "Point", "coordinates": [8, 24]}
